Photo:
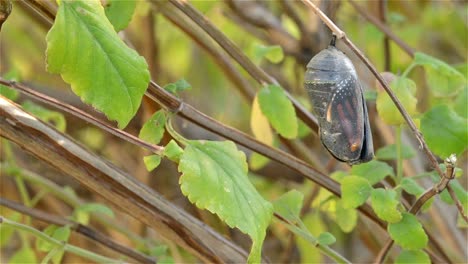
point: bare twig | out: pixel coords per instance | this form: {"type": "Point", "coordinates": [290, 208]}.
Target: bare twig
{"type": "Point", "coordinates": [118, 188]}
{"type": "Point", "coordinates": [82, 229]}
{"type": "Point", "coordinates": [81, 115]}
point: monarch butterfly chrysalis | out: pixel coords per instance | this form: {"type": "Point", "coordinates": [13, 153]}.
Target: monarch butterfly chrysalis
{"type": "Point", "coordinates": [338, 102]}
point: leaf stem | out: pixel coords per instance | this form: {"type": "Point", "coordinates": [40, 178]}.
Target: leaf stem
{"type": "Point", "coordinates": [67, 247]}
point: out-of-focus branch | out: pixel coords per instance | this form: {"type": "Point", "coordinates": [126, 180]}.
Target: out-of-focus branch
{"type": "Point", "coordinates": [82, 229]}
{"type": "Point", "coordinates": [5, 10]}
{"type": "Point", "coordinates": [118, 188]}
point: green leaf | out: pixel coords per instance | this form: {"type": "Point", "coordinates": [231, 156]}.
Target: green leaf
{"type": "Point", "coordinates": [385, 204]}
{"type": "Point", "coordinates": [172, 151]}
{"type": "Point", "coordinates": [355, 191]}
{"type": "Point", "coordinates": [374, 171]}
{"type": "Point", "coordinates": [272, 53]}
{"type": "Point", "coordinates": [413, 257]}
{"type": "Point", "coordinates": [24, 255]}
{"type": "Point", "coordinates": [42, 245]}
{"type": "Point", "coordinates": [257, 161]}
{"type": "Point", "coordinates": [326, 239]}
{"type": "Point", "coordinates": [289, 205]}
{"type": "Point", "coordinates": [12, 75]}
{"type": "Point", "coordinates": [153, 129]}
{"type": "Point", "coordinates": [408, 233]}
{"type": "Point", "coordinates": [220, 170]}
{"type": "Point", "coordinates": [346, 218]}
{"type": "Point", "coordinates": [259, 124]}
{"type": "Point", "coordinates": [120, 12]}
{"type": "Point", "coordinates": [443, 79]}
{"type": "Point", "coordinates": [389, 152]}
{"type": "Point", "coordinates": [179, 86]}
{"type": "Point", "coordinates": [98, 65]}
{"type": "Point", "coordinates": [81, 213]}
{"type": "Point", "coordinates": [55, 118]}
{"type": "Point", "coordinates": [59, 233]}
{"type": "Point", "coordinates": [404, 89]}
{"type": "Point", "coordinates": [445, 132]}
{"type": "Point", "coordinates": [279, 110]}
{"type": "Point", "coordinates": [411, 187]}
{"type": "Point", "coordinates": [152, 162]}
{"type": "Point", "coordinates": [310, 254]}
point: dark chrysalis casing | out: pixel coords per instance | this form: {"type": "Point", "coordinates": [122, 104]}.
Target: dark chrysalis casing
{"type": "Point", "coordinates": [338, 102]}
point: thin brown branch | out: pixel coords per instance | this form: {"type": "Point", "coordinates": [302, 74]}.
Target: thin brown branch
{"type": "Point", "coordinates": [257, 73]}
{"type": "Point", "coordinates": [382, 27]}
{"type": "Point", "coordinates": [81, 115]}
{"type": "Point", "coordinates": [79, 228]}
{"type": "Point", "coordinates": [386, 42]}
{"type": "Point", "coordinates": [118, 188]}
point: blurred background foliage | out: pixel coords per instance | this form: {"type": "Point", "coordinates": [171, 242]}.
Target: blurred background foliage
{"type": "Point", "coordinates": [437, 28]}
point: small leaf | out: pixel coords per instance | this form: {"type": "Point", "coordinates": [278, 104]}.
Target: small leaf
{"type": "Point", "coordinates": [443, 79]}
{"type": "Point", "coordinates": [355, 191]}
{"type": "Point", "coordinates": [413, 257]}
{"type": "Point", "coordinates": [23, 256]}
{"type": "Point", "coordinates": [153, 129]}
{"type": "Point", "coordinates": [404, 89]}
{"type": "Point", "coordinates": [408, 233]}
{"type": "Point", "coordinates": [82, 212]}
{"type": "Point", "coordinates": [289, 205]}
{"type": "Point", "coordinates": [445, 132]}
{"type": "Point", "coordinates": [179, 86]}
{"type": "Point", "coordinates": [12, 75]}
{"type": "Point", "coordinates": [272, 53]}
{"type": "Point", "coordinates": [385, 204]}
{"type": "Point", "coordinates": [389, 152]}
{"type": "Point", "coordinates": [260, 125]}
{"type": "Point", "coordinates": [345, 218]}
{"type": "Point", "coordinates": [411, 187]}
{"type": "Point", "coordinates": [152, 162]}
{"type": "Point", "coordinates": [279, 110]}
{"type": "Point", "coordinates": [257, 161]}
{"type": "Point", "coordinates": [326, 239]}
{"type": "Point", "coordinates": [120, 12]}
{"type": "Point", "coordinates": [220, 170]}
{"type": "Point", "coordinates": [55, 118]}
{"type": "Point", "coordinates": [42, 245]}
{"type": "Point", "coordinates": [98, 65]}
{"type": "Point", "coordinates": [374, 171]}
{"type": "Point", "coordinates": [172, 151]}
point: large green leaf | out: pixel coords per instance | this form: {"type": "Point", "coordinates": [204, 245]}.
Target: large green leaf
{"type": "Point", "coordinates": [445, 132]}
{"type": "Point", "coordinates": [279, 110]}
{"type": "Point", "coordinates": [374, 171]}
{"type": "Point", "coordinates": [385, 204]}
{"type": "Point", "coordinates": [413, 257]}
{"type": "Point", "coordinates": [84, 48]}
{"type": "Point", "coordinates": [120, 12]}
{"type": "Point", "coordinates": [404, 89]}
{"type": "Point", "coordinates": [443, 79]}
{"type": "Point", "coordinates": [408, 233]}
{"type": "Point", "coordinates": [214, 177]}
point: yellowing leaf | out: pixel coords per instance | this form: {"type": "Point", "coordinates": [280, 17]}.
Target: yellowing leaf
{"type": "Point", "coordinates": [260, 125]}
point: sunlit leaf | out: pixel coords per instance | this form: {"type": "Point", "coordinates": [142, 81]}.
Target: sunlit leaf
{"type": "Point", "coordinates": [279, 110]}
{"type": "Point", "coordinates": [98, 65]}
{"type": "Point", "coordinates": [346, 218]}
{"type": "Point", "coordinates": [326, 239]}
{"type": "Point", "coordinates": [408, 233]}
{"type": "Point", "coordinates": [151, 162]}
{"type": "Point", "coordinates": [444, 131]}
{"type": "Point", "coordinates": [214, 177]}
{"type": "Point", "coordinates": [120, 12]}
{"type": "Point", "coordinates": [257, 161]}
{"type": "Point", "coordinates": [173, 151]}
{"type": "Point", "coordinates": [411, 187]}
